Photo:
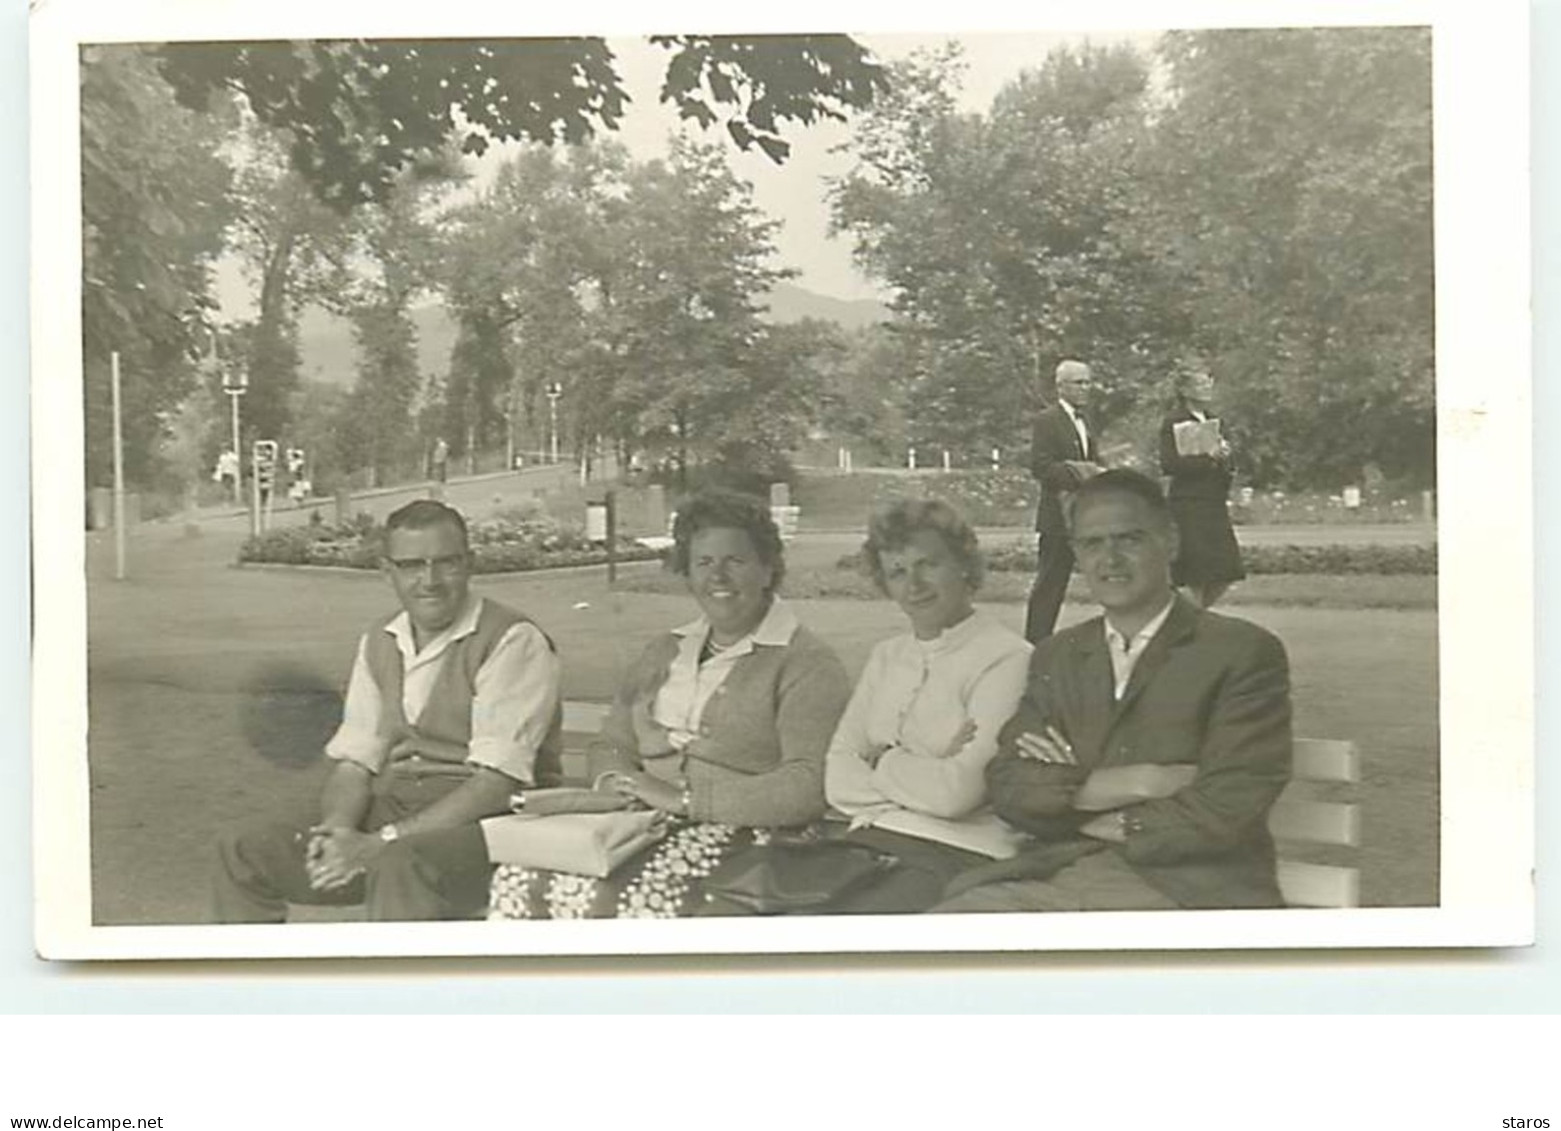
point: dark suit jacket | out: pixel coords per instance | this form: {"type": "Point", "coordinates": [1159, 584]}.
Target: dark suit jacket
{"type": "Point", "coordinates": [1211, 691]}
{"type": "Point", "coordinates": [1054, 441]}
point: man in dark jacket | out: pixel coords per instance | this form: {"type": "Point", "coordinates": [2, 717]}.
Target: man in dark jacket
{"type": "Point", "coordinates": [1150, 744]}
{"type": "Point", "coordinates": [1063, 454]}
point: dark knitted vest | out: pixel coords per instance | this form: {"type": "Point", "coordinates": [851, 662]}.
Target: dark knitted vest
{"type": "Point", "coordinates": [448, 713]}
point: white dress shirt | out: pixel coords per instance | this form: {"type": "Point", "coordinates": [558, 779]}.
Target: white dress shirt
{"type": "Point", "coordinates": [517, 689]}
{"type": "Point", "coordinates": [1125, 653]}
{"type": "Point", "coordinates": [1078, 426]}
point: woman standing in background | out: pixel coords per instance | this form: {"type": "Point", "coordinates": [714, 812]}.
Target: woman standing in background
{"type": "Point", "coordinates": [1195, 453]}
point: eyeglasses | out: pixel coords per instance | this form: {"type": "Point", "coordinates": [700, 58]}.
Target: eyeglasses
{"type": "Point", "coordinates": [442, 566]}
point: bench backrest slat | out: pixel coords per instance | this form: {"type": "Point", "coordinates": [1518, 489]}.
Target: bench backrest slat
{"type": "Point", "coordinates": [1318, 885]}
{"type": "Point", "coordinates": [1325, 759]}
{"type": "Point", "coordinates": [1315, 822]}
{"type": "Point", "coordinates": [1297, 820]}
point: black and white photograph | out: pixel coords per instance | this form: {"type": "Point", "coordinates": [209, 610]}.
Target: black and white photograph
{"type": "Point", "coordinates": [508, 491]}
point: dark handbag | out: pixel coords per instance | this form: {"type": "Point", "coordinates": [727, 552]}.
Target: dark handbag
{"type": "Point", "coordinates": [786, 876]}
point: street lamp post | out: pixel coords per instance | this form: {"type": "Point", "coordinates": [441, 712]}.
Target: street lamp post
{"type": "Point", "coordinates": [554, 391]}
{"type": "Point", "coordinates": [236, 383]}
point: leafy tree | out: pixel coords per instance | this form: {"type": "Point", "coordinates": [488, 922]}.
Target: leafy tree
{"type": "Point", "coordinates": [321, 415]}
{"type": "Point", "coordinates": [529, 261]}
{"type": "Point", "coordinates": [385, 258]}
{"type": "Point", "coordinates": [1002, 237]}
{"type": "Point", "coordinates": [376, 427]}
{"type": "Point", "coordinates": [868, 382]}
{"type": "Point", "coordinates": [480, 369]}
{"type": "Point", "coordinates": [154, 205]}
{"type": "Point", "coordinates": [288, 243]}
{"type": "Point", "coordinates": [361, 112]}
{"type": "Point", "coordinates": [782, 381]}
{"type": "Point", "coordinates": [684, 301]}
{"type": "Point", "coordinates": [1292, 175]}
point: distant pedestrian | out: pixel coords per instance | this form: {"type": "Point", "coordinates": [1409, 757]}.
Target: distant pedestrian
{"type": "Point", "coordinates": [1196, 454]}
{"type": "Point", "coordinates": [1063, 454]}
{"type": "Point", "coordinates": [441, 459]}
{"type": "Point", "coordinates": [226, 472]}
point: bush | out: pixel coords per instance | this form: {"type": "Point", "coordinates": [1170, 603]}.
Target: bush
{"type": "Point", "coordinates": [519, 539]}
{"type": "Point", "coordinates": [1337, 560]}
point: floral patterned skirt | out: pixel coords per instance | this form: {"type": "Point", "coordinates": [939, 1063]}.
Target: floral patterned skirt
{"type": "Point", "coordinates": [663, 882]}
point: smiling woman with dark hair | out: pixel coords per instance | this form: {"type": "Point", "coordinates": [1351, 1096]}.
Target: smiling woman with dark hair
{"type": "Point", "coordinates": [721, 723]}
{"type": "Point", "coordinates": [908, 761]}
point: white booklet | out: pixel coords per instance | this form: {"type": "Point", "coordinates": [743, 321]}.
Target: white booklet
{"type": "Point", "coordinates": [1197, 437]}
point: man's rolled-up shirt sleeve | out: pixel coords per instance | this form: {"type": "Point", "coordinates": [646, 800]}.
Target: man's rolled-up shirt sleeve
{"type": "Point", "coordinates": [517, 690]}
{"type": "Point", "coordinates": [358, 739]}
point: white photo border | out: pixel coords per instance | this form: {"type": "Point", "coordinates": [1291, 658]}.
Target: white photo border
{"type": "Point", "coordinates": [1484, 402]}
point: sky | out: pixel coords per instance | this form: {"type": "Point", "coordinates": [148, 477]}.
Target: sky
{"type": "Point", "coordinates": [792, 193]}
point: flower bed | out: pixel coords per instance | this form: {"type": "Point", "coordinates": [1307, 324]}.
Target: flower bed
{"type": "Point", "coordinates": [1329, 559]}
{"type": "Point", "coordinates": [1335, 560]}
{"type": "Point", "coordinates": [985, 498]}
{"type": "Point", "coordinates": [510, 541]}
{"type": "Point", "coordinates": [1007, 497]}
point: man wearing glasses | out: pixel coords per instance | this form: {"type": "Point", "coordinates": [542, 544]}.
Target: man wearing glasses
{"type": "Point", "coordinates": [452, 705]}
{"type": "Point", "coordinates": [1150, 744]}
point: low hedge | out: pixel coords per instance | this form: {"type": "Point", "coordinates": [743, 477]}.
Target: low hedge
{"type": "Point", "coordinates": [1335, 559]}
{"type": "Point", "coordinates": [502, 544]}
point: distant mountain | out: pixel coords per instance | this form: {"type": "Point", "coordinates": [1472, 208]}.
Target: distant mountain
{"type": "Point", "coordinates": [790, 303]}
{"type": "Point", "coordinates": [329, 355]}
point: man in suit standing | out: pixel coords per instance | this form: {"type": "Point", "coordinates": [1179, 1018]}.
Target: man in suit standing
{"type": "Point", "coordinates": [1063, 455]}
{"type": "Point", "coordinates": [1150, 743]}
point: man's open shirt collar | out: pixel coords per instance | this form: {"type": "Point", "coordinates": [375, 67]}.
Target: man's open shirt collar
{"type": "Point", "coordinates": [464, 625]}
{"type": "Point", "coordinates": [1116, 640]}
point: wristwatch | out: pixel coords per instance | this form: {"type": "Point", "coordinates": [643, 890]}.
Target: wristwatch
{"type": "Point", "coordinates": [389, 833]}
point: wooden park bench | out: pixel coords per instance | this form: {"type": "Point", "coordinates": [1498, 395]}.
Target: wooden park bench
{"type": "Point", "coordinates": [1301, 822]}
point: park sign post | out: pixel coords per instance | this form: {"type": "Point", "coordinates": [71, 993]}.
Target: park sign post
{"type": "Point", "coordinates": [119, 469]}
{"type": "Point", "coordinates": [263, 476]}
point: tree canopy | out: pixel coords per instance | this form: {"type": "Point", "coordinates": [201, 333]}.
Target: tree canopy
{"type": "Point", "coordinates": [361, 112]}
{"type": "Point", "coordinates": [1257, 201]}
{"type": "Point", "coordinates": [155, 200]}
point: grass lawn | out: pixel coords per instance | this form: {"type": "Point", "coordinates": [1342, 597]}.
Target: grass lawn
{"type": "Point", "coordinates": [212, 689]}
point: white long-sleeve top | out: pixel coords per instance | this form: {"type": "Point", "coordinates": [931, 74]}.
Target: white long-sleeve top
{"type": "Point", "coordinates": [914, 697]}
